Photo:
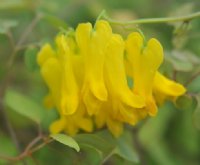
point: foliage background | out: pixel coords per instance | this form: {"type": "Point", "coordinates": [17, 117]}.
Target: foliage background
{"type": "Point", "coordinates": [170, 138]}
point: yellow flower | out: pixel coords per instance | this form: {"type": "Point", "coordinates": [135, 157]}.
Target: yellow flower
{"type": "Point", "coordinates": [163, 88]}
{"type": "Point", "coordinates": [92, 45]}
{"type": "Point", "coordinates": [87, 79]}
{"type": "Point", "coordinates": [144, 61]}
{"type": "Point", "coordinates": [72, 123]}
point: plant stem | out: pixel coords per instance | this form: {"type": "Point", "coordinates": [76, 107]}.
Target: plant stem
{"type": "Point", "coordinates": [5, 81]}
{"type": "Point", "coordinates": [185, 18]}
{"type": "Point", "coordinates": [193, 77]}
{"type": "Point", "coordinates": [23, 38]}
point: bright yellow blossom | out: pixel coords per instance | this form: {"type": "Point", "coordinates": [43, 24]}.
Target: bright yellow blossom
{"type": "Point", "coordinates": [87, 79]}
{"type": "Point", "coordinates": [145, 61]}
{"type": "Point", "coordinates": [163, 88]}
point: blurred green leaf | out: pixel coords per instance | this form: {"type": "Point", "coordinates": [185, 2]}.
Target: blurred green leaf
{"type": "Point", "coordinates": [106, 145]}
{"type": "Point", "coordinates": [184, 9]}
{"type": "Point", "coordinates": [7, 148]}
{"type": "Point", "coordinates": [181, 28]}
{"type": "Point", "coordinates": [7, 4]}
{"type": "Point", "coordinates": [6, 24]}
{"type": "Point", "coordinates": [66, 140]}
{"type": "Point", "coordinates": [186, 102]}
{"type": "Point", "coordinates": [96, 142]}
{"type": "Point", "coordinates": [125, 148]}
{"type": "Point", "coordinates": [196, 114]}
{"type": "Point", "coordinates": [55, 21]}
{"type": "Point", "coordinates": [2, 30]}
{"type": "Point", "coordinates": [30, 58]}
{"type": "Point", "coordinates": [90, 156]}
{"type": "Point", "coordinates": [23, 105]}
{"type": "Point", "coordinates": [152, 134]}
{"type": "Point", "coordinates": [180, 61]}
{"type": "Point", "coordinates": [194, 85]}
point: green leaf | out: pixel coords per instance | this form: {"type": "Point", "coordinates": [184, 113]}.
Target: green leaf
{"type": "Point", "coordinates": [96, 142]}
{"type": "Point", "coordinates": [152, 133]}
{"type": "Point", "coordinates": [6, 24]}
{"type": "Point", "coordinates": [66, 140]}
{"type": "Point", "coordinates": [2, 30]}
{"type": "Point", "coordinates": [30, 58]}
{"type": "Point", "coordinates": [125, 148]}
{"type": "Point", "coordinates": [7, 148]}
{"type": "Point", "coordinates": [106, 145]}
{"type": "Point", "coordinates": [186, 102]}
{"type": "Point", "coordinates": [23, 105]}
{"type": "Point", "coordinates": [184, 9]}
{"type": "Point", "coordinates": [180, 61]}
{"type": "Point", "coordinates": [196, 114]}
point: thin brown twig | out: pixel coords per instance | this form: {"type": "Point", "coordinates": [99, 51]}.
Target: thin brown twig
{"type": "Point", "coordinates": [193, 77]}
{"type": "Point", "coordinates": [23, 38]}
{"type": "Point", "coordinates": [32, 143]}
{"type": "Point", "coordinates": [5, 81]}
{"type": "Point", "coordinates": [28, 150]}
{"type": "Point", "coordinates": [41, 145]}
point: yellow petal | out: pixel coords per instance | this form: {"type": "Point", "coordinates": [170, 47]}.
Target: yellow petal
{"type": "Point", "coordinates": [145, 62]}
{"type": "Point", "coordinates": [86, 124]}
{"type": "Point", "coordinates": [116, 76]}
{"type": "Point", "coordinates": [115, 127]}
{"type": "Point", "coordinates": [71, 129]}
{"type": "Point", "coordinates": [69, 88]}
{"type": "Point", "coordinates": [94, 91]}
{"type": "Point", "coordinates": [83, 34]}
{"type": "Point", "coordinates": [94, 60]}
{"type": "Point", "coordinates": [44, 54]}
{"type": "Point", "coordinates": [166, 88]}
{"type": "Point", "coordinates": [51, 72]}
{"type": "Point", "coordinates": [57, 126]}
{"type": "Point", "coordinates": [134, 46]}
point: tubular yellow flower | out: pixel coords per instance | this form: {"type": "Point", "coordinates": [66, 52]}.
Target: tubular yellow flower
{"type": "Point", "coordinates": [72, 123]}
{"type": "Point", "coordinates": [105, 117]}
{"type": "Point", "coordinates": [124, 101]}
{"type": "Point", "coordinates": [69, 89]}
{"type": "Point", "coordinates": [163, 88]}
{"type": "Point", "coordinates": [87, 79]}
{"type": "Point", "coordinates": [145, 61]}
{"type": "Point", "coordinates": [92, 45]}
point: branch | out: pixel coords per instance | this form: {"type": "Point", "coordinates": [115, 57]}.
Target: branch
{"type": "Point", "coordinates": [185, 18]}
{"type": "Point", "coordinates": [29, 149]}
{"type": "Point", "coordinates": [193, 77]}
{"type": "Point", "coordinates": [5, 81]}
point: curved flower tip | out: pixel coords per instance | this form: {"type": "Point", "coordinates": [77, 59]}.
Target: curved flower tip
{"type": "Point", "coordinates": [115, 74]}
{"type": "Point", "coordinates": [44, 54]}
{"type": "Point", "coordinates": [83, 34]}
{"type": "Point", "coordinates": [144, 61]}
{"type": "Point", "coordinates": [115, 127]}
{"type": "Point", "coordinates": [94, 91]}
{"type": "Point", "coordinates": [79, 120]}
{"type": "Point", "coordinates": [69, 89]}
{"type": "Point", "coordinates": [165, 88]}
{"type": "Point", "coordinates": [57, 126]}
{"type": "Point", "coordinates": [51, 73]}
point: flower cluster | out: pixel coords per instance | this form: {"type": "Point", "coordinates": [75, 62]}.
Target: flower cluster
{"type": "Point", "coordinates": [89, 75]}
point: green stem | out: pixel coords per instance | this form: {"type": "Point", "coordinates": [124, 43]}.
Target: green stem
{"type": "Point", "coordinates": [185, 18]}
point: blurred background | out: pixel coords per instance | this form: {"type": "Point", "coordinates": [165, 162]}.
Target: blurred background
{"type": "Point", "coordinates": [170, 138]}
